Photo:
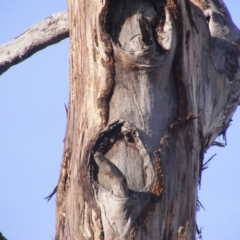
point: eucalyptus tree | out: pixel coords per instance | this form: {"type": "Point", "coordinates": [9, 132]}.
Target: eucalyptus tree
{"type": "Point", "coordinates": [152, 84]}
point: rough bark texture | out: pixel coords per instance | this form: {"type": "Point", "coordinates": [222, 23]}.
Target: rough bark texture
{"type": "Point", "coordinates": [153, 83]}
{"type": "Point", "coordinates": [51, 30]}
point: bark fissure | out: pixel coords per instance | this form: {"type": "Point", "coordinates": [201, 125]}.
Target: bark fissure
{"type": "Point", "coordinates": [175, 8]}
{"type": "Point", "coordinates": [108, 64]}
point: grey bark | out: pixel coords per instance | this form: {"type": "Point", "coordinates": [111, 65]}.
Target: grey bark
{"type": "Point", "coordinates": [47, 32]}
{"type": "Point", "coordinates": [153, 83]}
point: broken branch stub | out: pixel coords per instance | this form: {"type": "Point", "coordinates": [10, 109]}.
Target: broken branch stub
{"type": "Point", "coordinates": [49, 31]}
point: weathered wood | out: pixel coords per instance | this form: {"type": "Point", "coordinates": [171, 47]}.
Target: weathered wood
{"type": "Point", "coordinates": [51, 30]}
{"type": "Point", "coordinates": [153, 83]}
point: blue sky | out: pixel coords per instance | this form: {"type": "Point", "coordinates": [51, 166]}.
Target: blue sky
{"type": "Point", "coordinates": [32, 98]}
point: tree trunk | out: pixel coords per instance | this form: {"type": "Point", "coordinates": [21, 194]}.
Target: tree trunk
{"type": "Point", "coordinates": [153, 83]}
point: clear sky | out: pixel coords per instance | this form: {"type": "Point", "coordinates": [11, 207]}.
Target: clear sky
{"type": "Point", "coordinates": [32, 98]}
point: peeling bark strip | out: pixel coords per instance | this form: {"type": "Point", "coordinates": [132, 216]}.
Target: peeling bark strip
{"type": "Point", "coordinates": [64, 175]}
{"type": "Point", "coordinates": [146, 77]}
{"type": "Point", "coordinates": [51, 30]}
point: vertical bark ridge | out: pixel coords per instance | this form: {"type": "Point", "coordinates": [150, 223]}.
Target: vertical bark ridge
{"type": "Point", "coordinates": [108, 64]}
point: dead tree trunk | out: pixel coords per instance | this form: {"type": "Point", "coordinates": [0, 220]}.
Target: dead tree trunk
{"type": "Point", "coordinates": [153, 83]}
